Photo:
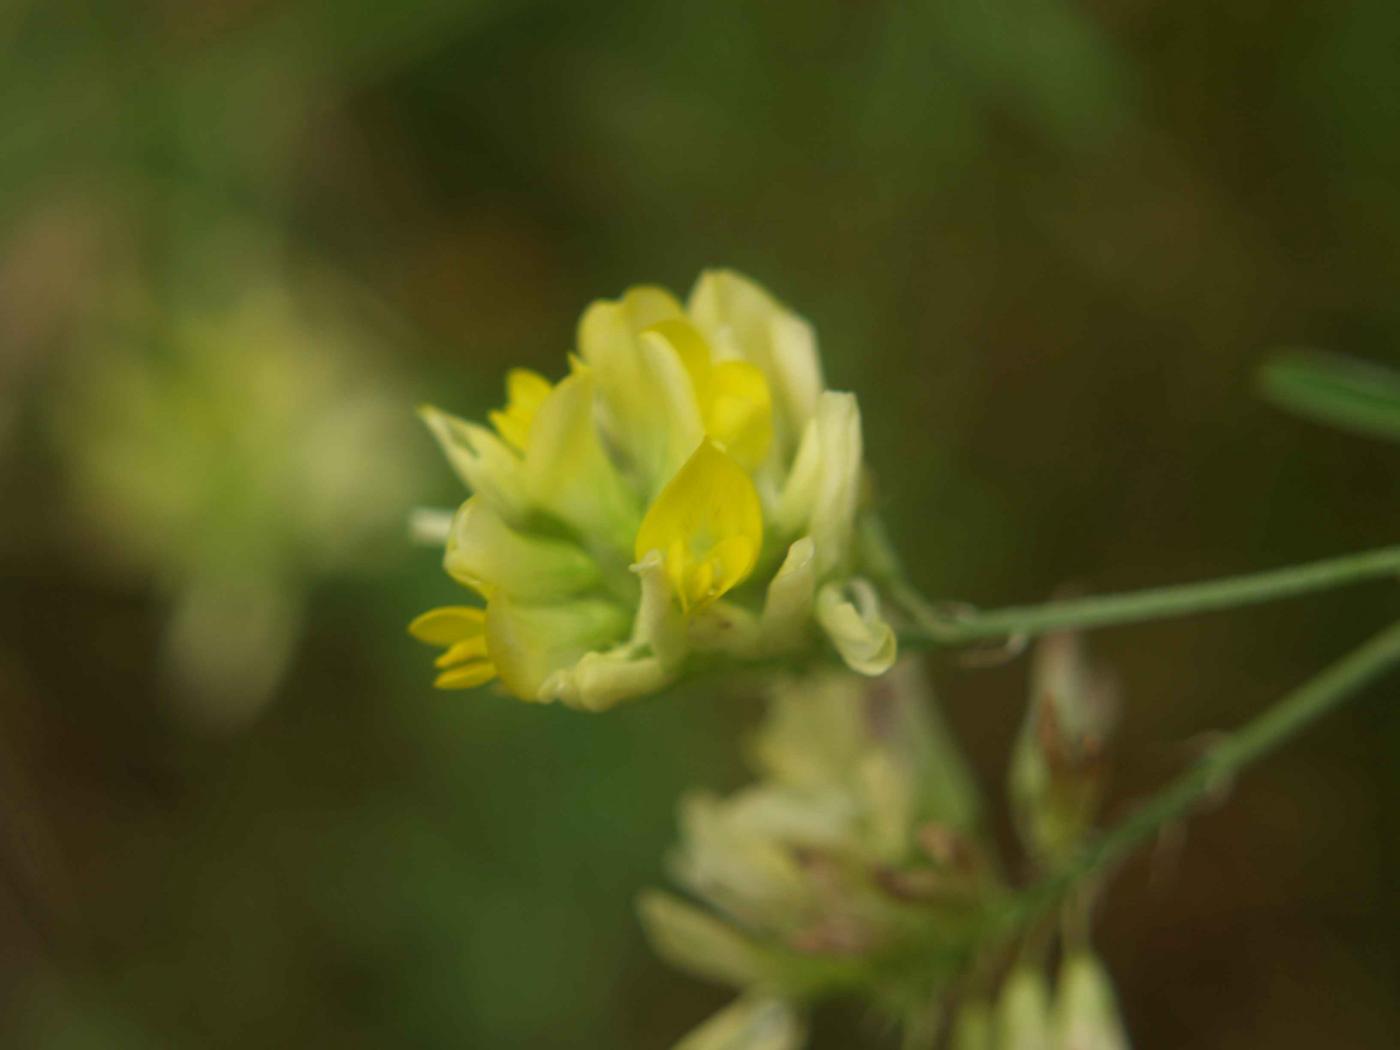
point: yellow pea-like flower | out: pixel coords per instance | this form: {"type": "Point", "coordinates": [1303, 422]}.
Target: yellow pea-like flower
{"type": "Point", "coordinates": [707, 524]}
{"type": "Point", "coordinates": [689, 487]}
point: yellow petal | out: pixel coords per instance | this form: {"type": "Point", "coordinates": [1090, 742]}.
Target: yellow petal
{"type": "Point", "coordinates": [855, 626]}
{"type": "Point", "coordinates": [529, 643]}
{"type": "Point", "coordinates": [489, 466]}
{"type": "Point", "coordinates": [485, 553]}
{"type": "Point", "coordinates": [689, 344]}
{"type": "Point", "coordinates": [738, 411]}
{"type": "Point", "coordinates": [736, 407]}
{"type": "Point", "coordinates": [648, 402]}
{"type": "Point", "coordinates": [708, 526]}
{"type": "Point", "coordinates": [460, 652]}
{"type": "Point", "coordinates": [448, 624]}
{"type": "Point", "coordinates": [822, 491]}
{"type": "Point", "coordinates": [568, 471]}
{"type": "Point", "coordinates": [742, 320]}
{"type": "Point", "coordinates": [467, 677]}
{"type": "Point", "coordinates": [525, 392]}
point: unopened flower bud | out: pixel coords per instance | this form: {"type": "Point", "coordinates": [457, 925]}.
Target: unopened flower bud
{"type": "Point", "coordinates": [1057, 765]}
{"type": "Point", "coordinates": [1023, 1012]}
{"type": "Point", "coordinates": [694, 940]}
{"type": "Point", "coordinates": [751, 1023]}
{"type": "Point", "coordinates": [1086, 1010]}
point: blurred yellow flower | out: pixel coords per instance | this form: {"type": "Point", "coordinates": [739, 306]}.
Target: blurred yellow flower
{"type": "Point", "coordinates": [689, 489]}
{"type": "Point", "coordinates": [232, 457]}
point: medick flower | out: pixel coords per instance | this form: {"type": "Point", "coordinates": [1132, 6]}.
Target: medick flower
{"type": "Point", "coordinates": [232, 460]}
{"type": "Point", "coordinates": [689, 490]}
{"type": "Point", "coordinates": [856, 847]}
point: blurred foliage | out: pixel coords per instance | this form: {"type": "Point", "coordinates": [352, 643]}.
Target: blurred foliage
{"type": "Point", "coordinates": [1048, 243]}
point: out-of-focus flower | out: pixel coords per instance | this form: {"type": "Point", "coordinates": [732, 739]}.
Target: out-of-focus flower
{"type": "Point", "coordinates": [1081, 1012]}
{"type": "Point", "coordinates": [234, 461]}
{"type": "Point", "coordinates": [1056, 775]}
{"type": "Point", "coordinates": [972, 1027]}
{"type": "Point", "coordinates": [1022, 1020]}
{"type": "Point", "coordinates": [689, 490]}
{"type": "Point", "coordinates": [857, 846]}
{"type": "Point", "coordinates": [749, 1024]}
{"type": "Point", "coordinates": [1086, 1010]}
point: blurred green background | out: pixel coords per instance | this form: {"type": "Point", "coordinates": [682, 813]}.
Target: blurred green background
{"type": "Point", "coordinates": [1047, 242]}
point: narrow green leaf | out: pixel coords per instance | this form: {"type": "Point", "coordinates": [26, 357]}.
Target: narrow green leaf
{"type": "Point", "coordinates": [1354, 395]}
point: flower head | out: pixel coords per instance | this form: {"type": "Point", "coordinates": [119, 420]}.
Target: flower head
{"type": "Point", "coordinates": [232, 457]}
{"type": "Point", "coordinates": [857, 845]}
{"type": "Point", "coordinates": [689, 489]}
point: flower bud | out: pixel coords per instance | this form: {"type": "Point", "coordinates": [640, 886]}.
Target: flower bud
{"type": "Point", "coordinates": [1023, 1012]}
{"type": "Point", "coordinates": [688, 489]}
{"type": "Point", "coordinates": [694, 940]}
{"type": "Point", "coordinates": [750, 1023]}
{"type": "Point", "coordinates": [1057, 765]}
{"type": "Point", "coordinates": [1086, 1010]}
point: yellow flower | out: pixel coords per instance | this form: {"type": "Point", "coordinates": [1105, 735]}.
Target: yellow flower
{"type": "Point", "coordinates": [689, 488]}
{"type": "Point", "coordinates": [707, 526]}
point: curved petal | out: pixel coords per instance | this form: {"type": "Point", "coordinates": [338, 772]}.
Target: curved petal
{"type": "Point", "coordinates": [600, 681]}
{"type": "Point", "coordinates": [744, 321]}
{"type": "Point", "coordinates": [854, 625]}
{"type": "Point", "coordinates": [659, 627]}
{"type": "Point", "coordinates": [698, 942]}
{"type": "Point", "coordinates": [787, 611]}
{"type": "Point", "coordinates": [529, 643]}
{"type": "Point", "coordinates": [736, 406]}
{"type": "Point", "coordinates": [650, 412]}
{"type": "Point", "coordinates": [568, 473]}
{"type": "Point", "coordinates": [708, 526]}
{"type": "Point", "coordinates": [822, 491]}
{"type": "Point", "coordinates": [485, 553]}
{"type": "Point", "coordinates": [482, 460]}
{"type": "Point", "coordinates": [525, 392]}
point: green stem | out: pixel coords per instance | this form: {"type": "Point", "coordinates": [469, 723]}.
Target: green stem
{"type": "Point", "coordinates": [1329, 690]}
{"type": "Point", "coordinates": [962, 627]}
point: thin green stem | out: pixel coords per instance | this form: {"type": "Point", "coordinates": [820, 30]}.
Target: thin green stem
{"type": "Point", "coordinates": [1252, 741]}
{"type": "Point", "coordinates": [964, 626]}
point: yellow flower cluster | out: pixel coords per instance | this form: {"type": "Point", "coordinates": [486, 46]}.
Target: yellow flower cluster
{"type": "Point", "coordinates": [690, 489]}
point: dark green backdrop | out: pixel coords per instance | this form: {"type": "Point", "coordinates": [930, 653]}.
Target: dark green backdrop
{"type": "Point", "coordinates": [1046, 241]}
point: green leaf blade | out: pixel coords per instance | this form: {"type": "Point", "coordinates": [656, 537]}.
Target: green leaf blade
{"type": "Point", "coordinates": [1358, 396]}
